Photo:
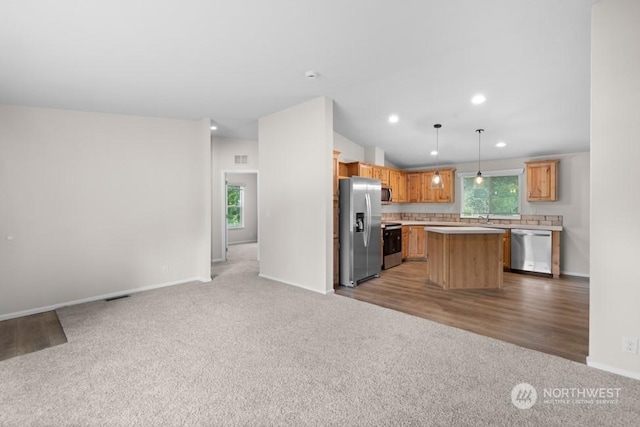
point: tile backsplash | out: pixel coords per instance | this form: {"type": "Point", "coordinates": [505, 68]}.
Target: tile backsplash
{"type": "Point", "coordinates": [447, 217]}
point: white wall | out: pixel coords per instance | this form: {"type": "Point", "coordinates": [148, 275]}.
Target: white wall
{"type": "Point", "coordinates": [249, 232]}
{"type": "Point", "coordinates": [96, 204]}
{"type": "Point", "coordinates": [223, 152]}
{"type": "Point", "coordinates": [615, 156]}
{"type": "Point", "coordinates": [296, 195]}
{"type": "Point", "coordinates": [573, 205]}
{"type": "Point", "coordinates": [349, 150]}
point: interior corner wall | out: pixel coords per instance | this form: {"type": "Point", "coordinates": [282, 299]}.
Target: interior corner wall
{"type": "Point", "coordinates": [296, 195]}
{"type": "Point", "coordinates": [615, 89]}
{"type": "Point", "coordinates": [98, 204]}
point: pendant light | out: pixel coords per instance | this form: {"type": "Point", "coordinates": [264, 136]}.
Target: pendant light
{"type": "Point", "coordinates": [436, 180]}
{"type": "Point", "coordinates": [479, 179]}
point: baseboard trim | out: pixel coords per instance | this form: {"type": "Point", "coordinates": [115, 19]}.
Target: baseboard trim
{"type": "Point", "coordinates": [99, 297]}
{"type": "Point", "coordinates": [297, 285]}
{"type": "Point", "coordinates": [604, 367]}
{"type": "Point", "coordinates": [568, 273]}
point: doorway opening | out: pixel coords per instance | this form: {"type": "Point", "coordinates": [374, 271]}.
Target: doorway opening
{"type": "Point", "coordinates": [240, 219]}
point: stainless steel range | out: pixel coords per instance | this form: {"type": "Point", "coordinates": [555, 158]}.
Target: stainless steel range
{"type": "Point", "coordinates": [392, 245]}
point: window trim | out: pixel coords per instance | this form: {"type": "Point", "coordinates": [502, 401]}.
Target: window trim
{"type": "Point", "coordinates": [491, 173]}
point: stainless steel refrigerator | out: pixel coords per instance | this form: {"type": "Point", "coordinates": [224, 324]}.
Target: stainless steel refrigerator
{"type": "Point", "coordinates": [360, 218]}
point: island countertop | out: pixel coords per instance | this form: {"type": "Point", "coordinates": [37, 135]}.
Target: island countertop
{"type": "Point", "coordinates": [464, 230]}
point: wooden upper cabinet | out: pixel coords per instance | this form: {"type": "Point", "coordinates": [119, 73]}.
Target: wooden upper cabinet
{"type": "Point", "coordinates": [365, 171]}
{"type": "Point", "coordinates": [444, 195]}
{"type": "Point", "coordinates": [381, 173]}
{"type": "Point", "coordinates": [542, 181]}
{"type": "Point", "coordinates": [359, 169]}
{"type": "Point", "coordinates": [398, 184]}
{"type": "Point", "coordinates": [447, 194]}
{"type": "Point", "coordinates": [414, 187]}
{"type": "Point", "coordinates": [411, 187]}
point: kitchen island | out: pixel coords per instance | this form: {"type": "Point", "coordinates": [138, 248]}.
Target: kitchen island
{"type": "Point", "coordinates": [465, 257]}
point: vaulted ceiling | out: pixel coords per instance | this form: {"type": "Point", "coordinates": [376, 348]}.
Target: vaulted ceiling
{"type": "Point", "coordinates": [235, 61]}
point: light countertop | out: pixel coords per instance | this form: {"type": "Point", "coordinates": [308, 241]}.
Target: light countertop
{"type": "Point", "coordinates": [464, 230]}
{"type": "Point", "coordinates": [487, 225]}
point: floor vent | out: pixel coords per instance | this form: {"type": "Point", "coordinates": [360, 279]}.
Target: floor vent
{"type": "Point", "coordinates": [115, 298]}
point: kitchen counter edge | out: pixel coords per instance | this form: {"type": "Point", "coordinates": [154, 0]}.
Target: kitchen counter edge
{"type": "Point", "coordinates": [471, 224]}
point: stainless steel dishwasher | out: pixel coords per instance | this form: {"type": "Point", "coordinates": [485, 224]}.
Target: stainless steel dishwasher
{"type": "Point", "coordinates": [531, 250]}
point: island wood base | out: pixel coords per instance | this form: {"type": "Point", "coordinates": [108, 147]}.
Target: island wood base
{"type": "Point", "coordinates": [465, 261]}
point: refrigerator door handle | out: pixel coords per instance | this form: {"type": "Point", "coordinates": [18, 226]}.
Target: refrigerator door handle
{"type": "Point", "coordinates": [367, 228]}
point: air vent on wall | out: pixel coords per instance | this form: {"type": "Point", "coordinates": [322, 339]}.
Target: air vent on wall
{"type": "Point", "coordinates": [241, 160]}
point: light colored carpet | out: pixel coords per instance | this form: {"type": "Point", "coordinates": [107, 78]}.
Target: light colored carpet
{"type": "Point", "coordinates": [243, 350]}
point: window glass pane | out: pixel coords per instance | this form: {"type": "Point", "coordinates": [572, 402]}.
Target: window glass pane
{"type": "Point", "coordinates": [497, 196]}
{"type": "Point", "coordinates": [233, 217]}
{"type": "Point", "coordinates": [234, 206]}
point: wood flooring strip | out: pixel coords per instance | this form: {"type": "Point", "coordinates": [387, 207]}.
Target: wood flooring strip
{"type": "Point", "coordinates": [27, 334]}
{"type": "Point", "coordinates": [544, 314]}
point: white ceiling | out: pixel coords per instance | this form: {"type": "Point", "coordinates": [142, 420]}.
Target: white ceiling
{"type": "Point", "coordinates": [237, 60]}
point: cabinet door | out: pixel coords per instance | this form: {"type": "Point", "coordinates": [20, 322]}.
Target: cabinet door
{"type": "Point", "coordinates": [428, 194]}
{"type": "Point", "coordinates": [542, 181]}
{"type": "Point", "coordinates": [405, 241]}
{"type": "Point", "coordinates": [506, 252]}
{"type": "Point", "coordinates": [416, 243]}
{"type": "Point", "coordinates": [446, 194]}
{"type": "Point", "coordinates": [365, 171]}
{"type": "Point", "coordinates": [401, 193]}
{"type": "Point", "coordinates": [414, 185]}
{"type": "Point", "coordinates": [383, 175]}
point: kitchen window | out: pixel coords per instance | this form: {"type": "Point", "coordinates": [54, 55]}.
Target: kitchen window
{"type": "Point", "coordinates": [235, 206]}
{"type": "Point", "coordinates": [498, 197]}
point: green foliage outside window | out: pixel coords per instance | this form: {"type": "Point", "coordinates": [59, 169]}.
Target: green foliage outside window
{"type": "Point", "coordinates": [497, 196]}
{"type": "Point", "coordinates": [234, 206]}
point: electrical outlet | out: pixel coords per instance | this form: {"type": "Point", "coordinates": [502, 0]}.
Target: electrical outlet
{"type": "Point", "coordinates": [630, 345]}
{"type": "Point", "coordinates": [165, 268]}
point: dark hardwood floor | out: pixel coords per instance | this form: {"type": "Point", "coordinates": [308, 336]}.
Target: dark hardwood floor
{"type": "Point", "coordinates": [539, 313]}
{"type": "Point", "coordinates": [30, 333]}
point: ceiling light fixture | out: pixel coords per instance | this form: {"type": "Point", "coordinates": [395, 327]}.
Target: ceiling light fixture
{"type": "Point", "coordinates": [214, 127]}
{"type": "Point", "coordinates": [479, 179]}
{"type": "Point", "coordinates": [434, 153]}
{"type": "Point", "coordinates": [501, 144]}
{"type": "Point", "coordinates": [436, 180]}
{"type": "Point", "coordinates": [311, 75]}
{"type": "Point", "coordinates": [478, 99]}
{"type": "Point", "coordinates": [394, 118]}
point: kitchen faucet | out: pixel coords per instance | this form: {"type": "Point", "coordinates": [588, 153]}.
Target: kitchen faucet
{"type": "Point", "coordinates": [484, 219]}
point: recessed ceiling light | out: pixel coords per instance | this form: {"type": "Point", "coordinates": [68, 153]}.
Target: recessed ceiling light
{"type": "Point", "coordinates": [393, 118]}
{"type": "Point", "coordinates": [214, 127]}
{"type": "Point", "coordinates": [478, 99]}
{"type": "Point", "coordinates": [434, 153]}
{"type": "Point", "coordinates": [501, 144]}
{"type": "Point", "coordinates": [311, 75]}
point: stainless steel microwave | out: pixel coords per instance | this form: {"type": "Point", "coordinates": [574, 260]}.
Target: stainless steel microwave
{"type": "Point", "coordinates": [387, 195]}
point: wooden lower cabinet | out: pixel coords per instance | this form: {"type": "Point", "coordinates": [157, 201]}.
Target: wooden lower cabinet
{"type": "Point", "coordinates": [336, 263]}
{"type": "Point", "coordinates": [405, 242]}
{"type": "Point", "coordinates": [416, 242]}
{"type": "Point", "coordinates": [506, 242]}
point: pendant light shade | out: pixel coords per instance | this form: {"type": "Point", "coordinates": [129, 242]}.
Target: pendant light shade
{"type": "Point", "coordinates": [479, 179]}
{"type": "Point", "coordinates": [436, 180]}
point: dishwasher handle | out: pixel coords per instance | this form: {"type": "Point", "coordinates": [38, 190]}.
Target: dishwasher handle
{"type": "Point", "coordinates": [521, 232]}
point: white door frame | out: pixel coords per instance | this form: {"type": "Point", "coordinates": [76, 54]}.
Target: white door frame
{"type": "Point", "coordinates": [224, 183]}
